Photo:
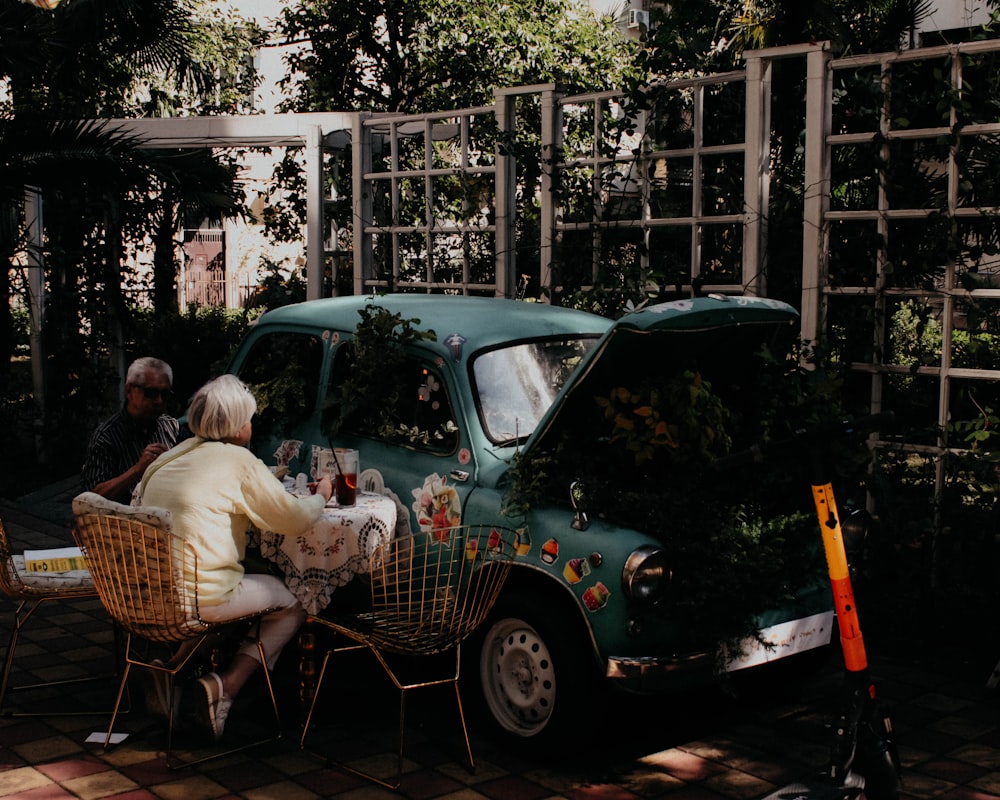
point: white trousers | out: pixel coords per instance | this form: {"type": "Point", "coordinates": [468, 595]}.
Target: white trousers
{"type": "Point", "coordinates": [255, 593]}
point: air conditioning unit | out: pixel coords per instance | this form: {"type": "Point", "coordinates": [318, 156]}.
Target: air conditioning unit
{"type": "Point", "coordinates": [637, 18]}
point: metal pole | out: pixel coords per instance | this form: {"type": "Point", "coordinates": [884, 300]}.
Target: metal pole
{"type": "Point", "coordinates": [315, 255]}
{"type": "Point", "coordinates": [36, 306]}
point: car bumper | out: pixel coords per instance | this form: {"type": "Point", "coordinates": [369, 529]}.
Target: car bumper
{"type": "Point", "coordinates": [649, 674]}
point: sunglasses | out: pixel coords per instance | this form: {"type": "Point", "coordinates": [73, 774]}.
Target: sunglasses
{"type": "Point", "coordinates": [154, 394]}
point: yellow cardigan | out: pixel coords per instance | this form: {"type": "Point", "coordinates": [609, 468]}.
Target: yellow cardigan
{"type": "Point", "coordinates": [214, 492]}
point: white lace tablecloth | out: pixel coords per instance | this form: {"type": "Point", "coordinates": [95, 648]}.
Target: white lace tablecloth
{"type": "Point", "coordinates": [332, 552]}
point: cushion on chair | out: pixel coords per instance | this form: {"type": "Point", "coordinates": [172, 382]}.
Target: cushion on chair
{"type": "Point", "coordinates": [51, 580]}
{"type": "Point", "coordinates": [91, 503]}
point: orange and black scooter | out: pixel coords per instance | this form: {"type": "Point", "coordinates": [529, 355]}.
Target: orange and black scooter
{"type": "Point", "coordinates": [863, 755]}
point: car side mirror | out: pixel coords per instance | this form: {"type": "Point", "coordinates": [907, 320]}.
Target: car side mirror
{"type": "Point", "coordinates": [578, 498]}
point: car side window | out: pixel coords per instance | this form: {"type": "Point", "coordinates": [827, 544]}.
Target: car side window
{"type": "Point", "coordinates": [282, 370]}
{"type": "Point", "coordinates": [417, 412]}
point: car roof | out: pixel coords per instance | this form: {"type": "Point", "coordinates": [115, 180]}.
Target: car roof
{"type": "Point", "coordinates": [481, 321]}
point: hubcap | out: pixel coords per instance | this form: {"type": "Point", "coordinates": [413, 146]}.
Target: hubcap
{"type": "Point", "coordinates": [518, 680]}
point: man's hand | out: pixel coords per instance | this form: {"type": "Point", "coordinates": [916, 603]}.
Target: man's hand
{"type": "Point", "coordinates": [119, 488]}
{"type": "Point", "coordinates": [150, 453]}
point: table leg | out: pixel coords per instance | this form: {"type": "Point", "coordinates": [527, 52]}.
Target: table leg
{"type": "Point", "coordinates": [307, 669]}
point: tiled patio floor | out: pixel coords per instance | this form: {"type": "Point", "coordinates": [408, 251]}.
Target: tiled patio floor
{"type": "Point", "coordinates": [699, 746]}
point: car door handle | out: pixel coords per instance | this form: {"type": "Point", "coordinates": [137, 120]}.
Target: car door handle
{"type": "Point", "coordinates": [460, 475]}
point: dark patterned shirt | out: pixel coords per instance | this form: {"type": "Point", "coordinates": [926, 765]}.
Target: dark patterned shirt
{"type": "Point", "coordinates": [118, 443]}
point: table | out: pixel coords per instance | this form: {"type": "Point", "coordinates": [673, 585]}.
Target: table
{"type": "Point", "coordinates": [333, 551]}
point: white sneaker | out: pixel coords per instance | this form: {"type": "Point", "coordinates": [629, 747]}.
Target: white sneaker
{"type": "Point", "coordinates": [212, 713]}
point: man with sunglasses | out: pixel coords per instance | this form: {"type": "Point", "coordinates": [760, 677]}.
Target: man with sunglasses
{"type": "Point", "coordinates": [123, 446]}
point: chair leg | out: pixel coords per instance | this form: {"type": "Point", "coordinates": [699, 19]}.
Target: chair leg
{"type": "Point", "coordinates": [402, 729]}
{"type": "Point", "coordinates": [465, 730]}
{"type": "Point", "coordinates": [8, 661]}
{"type": "Point", "coordinates": [312, 705]}
{"type": "Point", "coordinates": [118, 700]}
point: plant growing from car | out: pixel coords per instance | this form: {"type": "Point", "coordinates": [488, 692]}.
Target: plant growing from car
{"type": "Point", "coordinates": [680, 414]}
{"type": "Point", "coordinates": [370, 394]}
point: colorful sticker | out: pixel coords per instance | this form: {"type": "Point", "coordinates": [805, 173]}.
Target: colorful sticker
{"type": "Point", "coordinates": [464, 456]}
{"type": "Point", "coordinates": [550, 551]}
{"type": "Point", "coordinates": [437, 505]}
{"type": "Point", "coordinates": [471, 549]}
{"type": "Point", "coordinates": [576, 569]}
{"type": "Point", "coordinates": [523, 542]}
{"type": "Point", "coordinates": [596, 597]}
{"type": "Point", "coordinates": [326, 336]}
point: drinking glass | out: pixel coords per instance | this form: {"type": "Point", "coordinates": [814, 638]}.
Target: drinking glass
{"type": "Point", "coordinates": [345, 485]}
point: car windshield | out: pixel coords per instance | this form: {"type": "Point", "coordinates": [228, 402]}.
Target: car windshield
{"type": "Point", "coordinates": [517, 384]}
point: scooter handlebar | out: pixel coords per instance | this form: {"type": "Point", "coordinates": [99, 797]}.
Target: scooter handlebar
{"type": "Point", "coordinates": [758, 452]}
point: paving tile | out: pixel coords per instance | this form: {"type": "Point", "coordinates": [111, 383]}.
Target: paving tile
{"type": "Point", "coordinates": [193, 787]}
{"type": "Point", "coordinates": [694, 792]}
{"type": "Point", "coordinates": [472, 794]}
{"type": "Point", "coordinates": [989, 784]}
{"type": "Point", "coordinates": [684, 765]}
{"type": "Point", "coordinates": [22, 779]}
{"type": "Point", "coordinates": [47, 749]}
{"type": "Point", "coordinates": [945, 703]}
{"type": "Point", "coordinates": [951, 769]}
{"type": "Point", "coordinates": [330, 782]}
{"type": "Point", "coordinates": [512, 787]}
{"type": "Point", "coordinates": [601, 791]}
{"type": "Point", "coordinates": [485, 771]}
{"type": "Point", "coordinates": [51, 792]}
{"type": "Point", "coordinates": [100, 785]}
{"type": "Point", "coordinates": [648, 782]}
{"type": "Point", "coordinates": [924, 786]}
{"type": "Point", "coordinates": [67, 768]}
{"type": "Point", "coordinates": [286, 790]}
{"type": "Point", "coordinates": [428, 783]}
{"type": "Point", "coordinates": [974, 753]}
{"type": "Point", "coordinates": [963, 727]}
{"type": "Point", "coordinates": [739, 785]}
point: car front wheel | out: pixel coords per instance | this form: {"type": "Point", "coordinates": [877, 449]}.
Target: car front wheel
{"type": "Point", "coordinates": [534, 675]}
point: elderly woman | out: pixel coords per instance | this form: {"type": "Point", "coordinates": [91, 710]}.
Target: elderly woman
{"type": "Point", "coordinates": [214, 488]}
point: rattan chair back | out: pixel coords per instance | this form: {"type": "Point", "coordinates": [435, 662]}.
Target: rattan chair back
{"type": "Point", "coordinates": [145, 575]}
{"type": "Point", "coordinates": [431, 590]}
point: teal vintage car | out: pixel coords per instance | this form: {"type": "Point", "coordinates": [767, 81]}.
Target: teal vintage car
{"type": "Point", "coordinates": [510, 399]}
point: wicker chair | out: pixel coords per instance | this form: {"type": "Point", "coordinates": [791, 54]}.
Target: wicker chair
{"type": "Point", "coordinates": [30, 591]}
{"type": "Point", "coordinates": [139, 568]}
{"type": "Point", "coordinates": [429, 591]}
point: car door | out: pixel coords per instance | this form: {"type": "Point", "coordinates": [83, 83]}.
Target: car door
{"type": "Point", "coordinates": [416, 441]}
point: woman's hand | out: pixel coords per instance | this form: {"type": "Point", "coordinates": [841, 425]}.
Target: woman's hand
{"type": "Point", "coordinates": [324, 486]}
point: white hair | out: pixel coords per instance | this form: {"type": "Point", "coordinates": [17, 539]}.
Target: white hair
{"type": "Point", "coordinates": [220, 408]}
{"type": "Point", "coordinates": [137, 370]}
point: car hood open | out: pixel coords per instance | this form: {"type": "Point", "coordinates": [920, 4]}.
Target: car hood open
{"type": "Point", "coordinates": [716, 335]}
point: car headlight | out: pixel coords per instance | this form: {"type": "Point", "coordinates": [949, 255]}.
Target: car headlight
{"type": "Point", "coordinates": [854, 527]}
{"type": "Point", "coordinates": [646, 574]}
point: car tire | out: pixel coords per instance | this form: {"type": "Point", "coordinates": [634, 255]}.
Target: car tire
{"type": "Point", "coordinates": [536, 677]}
